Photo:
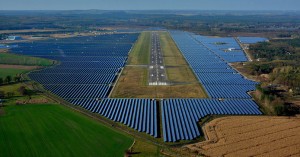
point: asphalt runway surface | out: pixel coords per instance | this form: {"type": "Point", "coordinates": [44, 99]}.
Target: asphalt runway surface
{"type": "Point", "coordinates": [157, 72]}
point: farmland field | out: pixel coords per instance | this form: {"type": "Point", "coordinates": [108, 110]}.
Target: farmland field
{"type": "Point", "coordinates": [10, 72]}
{"type": "Point", "coordinates": [13, 70]}
{"type": "Point", "coordinates": [53, 130]}
{"type": "Point", "coordinates": [8, 58]}
{"type": "Point", "coordinates": [251, 136]}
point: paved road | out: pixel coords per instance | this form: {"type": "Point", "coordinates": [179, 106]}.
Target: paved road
{"type": "Point", "coordinates": [157, 72]}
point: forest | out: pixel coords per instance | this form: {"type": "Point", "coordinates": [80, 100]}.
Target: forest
{"type": "Point", "coordinates": [278, 62]}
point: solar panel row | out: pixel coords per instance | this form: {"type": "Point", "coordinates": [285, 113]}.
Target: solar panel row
{"type": "Point", "coordinates": [82, 91]}
{"type": "Point", "coordinates": [69, 78]}
{"type": "Point", "coordinates": [79, 71]}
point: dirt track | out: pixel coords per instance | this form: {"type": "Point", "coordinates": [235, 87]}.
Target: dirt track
{"type": "Point", "coordinates": [251, 136]}
{"type": "Point", "coordinates": [7, 66]}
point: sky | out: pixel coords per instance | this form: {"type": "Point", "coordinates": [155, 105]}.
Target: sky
{"type": "Point", "coordinates": [150, 4]}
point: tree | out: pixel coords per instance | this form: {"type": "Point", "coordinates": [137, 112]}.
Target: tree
{"type": "Point", "coordinates": [22, 90]}
{"type": "Point", "coordinates": [2, 94]}
{"type": "Point", "coordinates": [279, 109]}
{"type": "Point", "coordinates": [10, 94]}
{"type": "Point", "coordinates": [8, 79]}
{"type": "Point", "coordinates": [17, 78]}
{"type": "Point", "coordinates": [1, 81]}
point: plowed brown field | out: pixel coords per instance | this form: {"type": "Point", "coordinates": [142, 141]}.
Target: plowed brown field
{"type": "Point", "coordinates": [251, 136]}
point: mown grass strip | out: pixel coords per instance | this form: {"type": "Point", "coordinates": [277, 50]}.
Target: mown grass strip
{"type": "Point", "coordinates": [140, 53]}
{"type": "Point", "coordinates": [9, 58]}
{"type": "Point", "coordinates": [11, 72]}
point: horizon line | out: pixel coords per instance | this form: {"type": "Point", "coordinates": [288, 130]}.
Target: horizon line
{"type": "Point", "coordinates": [140, 10]}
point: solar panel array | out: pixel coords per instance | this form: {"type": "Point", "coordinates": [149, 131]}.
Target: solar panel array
{"type": "Point", "coordinates": [180, 116]}
{"type": "Point", "coordinates": [139, 114]}
{"type": "Point", "coordinates": [226, 48]}
{"type": "Point", "coordinates": [251, 40]}
{"type": "Point", "coordinates": [88, 65]}
{"type": "Point", "coordinates": [218, 78]}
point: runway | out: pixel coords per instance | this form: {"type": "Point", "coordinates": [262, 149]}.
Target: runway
{"type": "Point", "coordinates": [157, 72]}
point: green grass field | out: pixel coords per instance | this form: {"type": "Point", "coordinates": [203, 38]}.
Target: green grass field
{"type": "Point", "coordinates": [145, 149]}
{"type": "Point", "coordinates": [140, 53]}
{"type": "Point", "coordinates": [11, 88]}
{"type": "Point", "coordinates": [11, 72]}
{"type": "Point", "coordinates": [53, 130]}
{"type": "Point", "coordinates": [8, 58]}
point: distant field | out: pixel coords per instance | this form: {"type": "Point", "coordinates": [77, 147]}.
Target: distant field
{"type": "Point", "coordinates": [10, 72]}
{"type": "Point", "coordinates": [14, 70]}
{"type": "Point", "coordinates": [8, 58]}
{"type": "Point", "coordinates": [27, 30]}
{"type": "Point", "coordinates": [251, 136]}
{"type": "Point", "coordinates": [53, 130]}
{"type": "Point", "coordinates": [133, 82]}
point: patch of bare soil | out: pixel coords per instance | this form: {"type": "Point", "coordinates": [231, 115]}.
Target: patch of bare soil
{"type": "Point", "coordinates": [33, 101]}
{"type": "Point", "coordinates": [27, 30]}
{"type": "Point", "coordinates": [23, 67]}
{"type": "Point", "coordinates": [3, 50]}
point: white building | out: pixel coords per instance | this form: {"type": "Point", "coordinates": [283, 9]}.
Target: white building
{"type": "Point", "coordinates": [14, 38]}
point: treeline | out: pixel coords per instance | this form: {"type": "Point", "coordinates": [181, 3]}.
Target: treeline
{"type": "Point", "coordinates": [279, 73]}
{"type": "Point", "coordinates": [22, 90]}
{"type": "Point", "coordinates": [208, 23]}
{"type": "Point", "coordinates": [277, 50]}
{"type": "Point", "coordinates": [9, 79]}
{"type": "Point", "coordinates": [272, 100]}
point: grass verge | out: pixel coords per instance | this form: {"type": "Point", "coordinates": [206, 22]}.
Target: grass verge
{"type": "Point", "coordinates": [11, 72]}
{"type": "Point", "coordinates": [140, 53]}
